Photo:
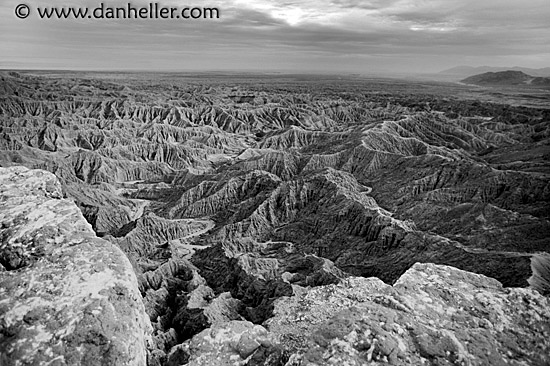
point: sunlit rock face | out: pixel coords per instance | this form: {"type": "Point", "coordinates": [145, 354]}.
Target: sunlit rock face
{"type": "Point", "coordinates": [433, 314]}
{"type": "Point", "coordinates": [66, 296]}
{"type": "Point", "coordinates": [228, 193]}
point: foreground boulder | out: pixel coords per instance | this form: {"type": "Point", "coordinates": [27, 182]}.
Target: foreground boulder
{"type": "Point", "coordinates": [66, 296]}
{"type": "Point", "coordinates": [235, 343]}
{"type": "Point", "coordinates": [433, 315]}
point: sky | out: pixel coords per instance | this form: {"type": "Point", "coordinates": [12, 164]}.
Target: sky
{"type": "Point", "coordinates": [338, 36]}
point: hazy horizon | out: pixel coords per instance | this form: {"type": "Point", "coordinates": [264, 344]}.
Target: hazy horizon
{"type": "Point", "coordinates": [381, 73]}
{"type": "Point", "coordinates": [339, 36]}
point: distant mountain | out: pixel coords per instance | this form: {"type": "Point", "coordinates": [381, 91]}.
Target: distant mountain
{"type": "Point", "coordinates": [507, 78]}
{"type": "Point", "coordinates": [465, 71]}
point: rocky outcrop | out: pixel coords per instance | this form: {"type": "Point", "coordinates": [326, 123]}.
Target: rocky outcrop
{"type": "Point", "coordinates": [434, 315]}
{"type": "Point", "coordinates": [235, 343]}
{"type": "Point", "coordinates": [180, 304]}
{"type": "Point", "coordinates": [259, 275]}
{"type": "Point", "coordinates": [66, 296]}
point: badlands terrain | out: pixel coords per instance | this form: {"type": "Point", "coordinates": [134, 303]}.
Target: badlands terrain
{"type": "Point", "coordinates": [222, 219]}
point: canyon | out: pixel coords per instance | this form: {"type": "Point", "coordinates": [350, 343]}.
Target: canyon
{"type": "Point", "coordinates": [271, 220]}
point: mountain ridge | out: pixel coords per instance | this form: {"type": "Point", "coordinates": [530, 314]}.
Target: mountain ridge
{"type": "Point", "coordinates": [508, 78]}
{"type": "Point", "coordinates": [466, 71]}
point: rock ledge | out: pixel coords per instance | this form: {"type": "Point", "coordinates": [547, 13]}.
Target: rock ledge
{"type": "Point", "coordinates": [66, 296]}
{"type": "Point", "coordinates": [433, 315]}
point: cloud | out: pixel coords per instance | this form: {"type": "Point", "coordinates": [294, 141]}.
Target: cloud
{"type": "Point", "coordinates": [334, 35]}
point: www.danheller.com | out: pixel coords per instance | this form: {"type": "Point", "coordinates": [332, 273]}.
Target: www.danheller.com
{"type": "Point", "coordinates": [127, 11]}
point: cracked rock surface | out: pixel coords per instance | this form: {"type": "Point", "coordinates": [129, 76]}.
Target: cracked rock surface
{"type": "Point", "coordinates": [433, 315]}
{"type": "Point", "coordinates": [66, 296]}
